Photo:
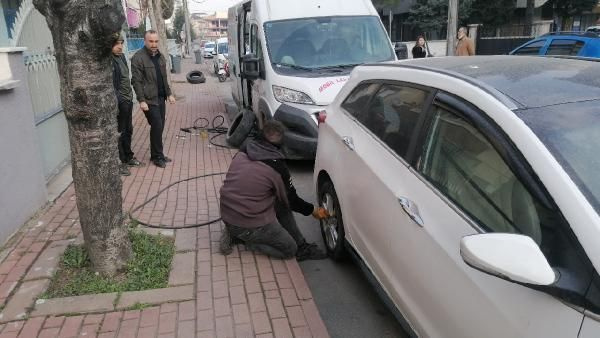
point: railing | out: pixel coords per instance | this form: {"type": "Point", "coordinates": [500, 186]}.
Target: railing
{"type": "Point", "coordinates": [44, 85]}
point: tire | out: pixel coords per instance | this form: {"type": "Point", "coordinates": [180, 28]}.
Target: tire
{"type": "Point", "coordinates": [240, 128]}
{"type": "Point", "coordinates": [195, 77]}
{"type": "Point", "coordinates": [222, 77]}
{"type": "Point", "coordinates": [332, 228]}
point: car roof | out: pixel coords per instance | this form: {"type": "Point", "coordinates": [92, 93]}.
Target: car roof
{"type": "Point", "coordinates": [527, 81]}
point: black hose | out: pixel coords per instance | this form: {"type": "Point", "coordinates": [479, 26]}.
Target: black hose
{"type": "Point", "coordinates": [160, 192]}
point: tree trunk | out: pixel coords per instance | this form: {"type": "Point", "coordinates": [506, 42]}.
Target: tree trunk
{"type": "Point", "coordinates": [81, 31]}
{"type": "Point", "coordinates": [158, 24]}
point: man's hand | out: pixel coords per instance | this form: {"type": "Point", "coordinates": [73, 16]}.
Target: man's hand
{"type": "Point", "coordinates": [144, 106]}
{"type": "Point", "coordinates": [171, 99]}
{"type": "Point", "coordinates": [320, 213]}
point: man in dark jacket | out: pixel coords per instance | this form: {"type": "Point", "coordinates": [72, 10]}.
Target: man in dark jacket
{"type": "Point", "coordinates": [125, 103]}
{"type": "Point", "coordinates": [257, 200]}
{"type": "Point", "coordinates": [149, 79]}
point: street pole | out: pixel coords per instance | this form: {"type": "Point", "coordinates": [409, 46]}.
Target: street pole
{"type": "Point", "coordinates": [188, 35]}
{"type": "Point", "coordinates": [452, 26]}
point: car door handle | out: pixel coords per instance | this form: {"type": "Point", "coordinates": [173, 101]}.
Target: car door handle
{"type": "Point", "coordinates": [348, 142]}
{"type": "Point", "coordinates": [411, 209]}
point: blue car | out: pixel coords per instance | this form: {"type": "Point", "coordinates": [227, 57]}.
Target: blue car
{"type": "Point", "coordinates": [582, 44]}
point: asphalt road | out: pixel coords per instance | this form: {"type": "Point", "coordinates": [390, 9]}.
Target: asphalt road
{"type": "Point", "coordinates": [347, 302]}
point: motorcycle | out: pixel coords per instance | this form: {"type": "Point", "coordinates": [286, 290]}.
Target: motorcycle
{"type": "Point", "coordinates": [224, 72]}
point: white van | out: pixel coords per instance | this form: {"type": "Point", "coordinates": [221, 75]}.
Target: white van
{"type": "Point", "coordinates": [222, 53]}
{"type": "Point", "coordinates": [289, 59]}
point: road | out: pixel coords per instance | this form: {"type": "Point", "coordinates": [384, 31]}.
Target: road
{"type": "Point", "coordinates": [347, 302]}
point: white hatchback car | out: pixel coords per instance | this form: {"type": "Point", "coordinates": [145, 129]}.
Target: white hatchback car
{"type": "Point", "coordinates": [469, 188]}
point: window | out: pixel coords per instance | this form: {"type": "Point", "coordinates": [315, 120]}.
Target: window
{"type": "Point", "coordinates": [355, 102]}
{"type": "Point", "coordinates": [531, 49]}
{"type": "Point", "coordinates": [465, 167]}
{"type": "Point", "coordinates": [565, 47]}
{"type": "Point", "coordinates": [392, 115]}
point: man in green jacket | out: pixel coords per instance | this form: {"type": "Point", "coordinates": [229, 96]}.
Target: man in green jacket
{"type": "Point", "coordinates": [149, 79]}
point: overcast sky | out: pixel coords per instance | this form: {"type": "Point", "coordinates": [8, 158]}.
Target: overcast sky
{"type": "Point", "coordinates": [210, 6]}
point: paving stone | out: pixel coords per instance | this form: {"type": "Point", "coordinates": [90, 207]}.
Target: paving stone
{"type": "Point", "coordinates": [78, 304]}
{"type": "Point", "coordinates": [182, 269]}
{"type": "Point", "coordinates": [71, 326]}
{"type": "Point", "coordinates": [32, 327]}
{"type": "Point", "coordinates": [275, 308]}
{"type": "Point", "coordinates": [298, 280]}
{"type": "Point", "coordinates": [156, 296]}
{"type": "Point", "coordinates": [224, 327]}
{"type": "Point", "coordinates": [185, 240]}
{"type": "Point", "coordinates": [23, 299]}
{"type": "Point", "coordinates": [260, 321]}
{"type": "Point", "coordinates": [315, 323]}
{"type": "Point", "coordinates": [47, 262]}
{"type": "Point", "coordinates": [296, 316]}
{"type": "Point", "coordinates": [281, 328]}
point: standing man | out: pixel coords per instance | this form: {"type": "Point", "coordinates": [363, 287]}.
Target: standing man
{"type": "Point", "coordinates": [149, 77]}
{"type": "Point", "coordinates": [125, 102]}
{"type": "Point", "coordinates": [465, 46]}
{"type": "Point", "coordinates": [257, 200]}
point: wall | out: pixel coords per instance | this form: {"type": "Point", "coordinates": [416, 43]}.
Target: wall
{"type": "Point", "coordinates": [436, 47]}
{"type": "Point", "coordinates": [22, 183]}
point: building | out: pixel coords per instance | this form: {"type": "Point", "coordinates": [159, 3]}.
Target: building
{"type": "Point", "coordinates": [209, 27]}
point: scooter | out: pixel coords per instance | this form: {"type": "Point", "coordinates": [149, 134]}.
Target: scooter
{"type": "Point", "coordinates": [224, 72]}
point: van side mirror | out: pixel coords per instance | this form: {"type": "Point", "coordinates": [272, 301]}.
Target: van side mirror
{"type": "Point", "coordinates": [250, 67]}
{"type": "Point", "coordinates": [513, 257]}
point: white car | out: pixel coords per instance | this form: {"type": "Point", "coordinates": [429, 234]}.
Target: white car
{"type": "Point", "coordinates": [208, 51]}
{"type": "Point", "coordinates": [469, 188]}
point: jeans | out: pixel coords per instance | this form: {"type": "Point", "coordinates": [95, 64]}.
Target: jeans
{"type": "Point", "coordinates": [279, 239]}
{"type": "Point", "coordinates": [125, 126]}
{"type": "Point", "coordinates": [156, 118]}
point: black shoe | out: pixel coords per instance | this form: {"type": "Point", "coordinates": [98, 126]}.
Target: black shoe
{"type": "Point", "coordinates": [310, 251]}
{"type": "Point", "coordinates": [159, 163]}
{"type": "Point", "coordinates": [225, 244]}
{"type": "Point", "coordinates": [124, 171]}
{"type": "Point", "coordinates": [134, 163]}
{"type": "Point", "coordinates": [166, 159]}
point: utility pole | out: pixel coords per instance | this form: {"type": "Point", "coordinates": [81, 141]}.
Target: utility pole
{"type": "Point", "coordinates": [452, 26]}
{"type": "Point", "coordinates": [188, 34]}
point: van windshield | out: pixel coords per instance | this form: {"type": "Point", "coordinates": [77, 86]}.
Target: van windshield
{"type": "Point", "coordinates": [327, 42]}
{"type": "Point", "coordinates": [209, 46]}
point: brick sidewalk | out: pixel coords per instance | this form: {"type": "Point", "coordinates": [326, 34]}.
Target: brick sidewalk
{"type": "Point", "coordinates": [209, 295]}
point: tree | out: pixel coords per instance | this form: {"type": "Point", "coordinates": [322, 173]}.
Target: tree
{"type": "Point", "coordinates": [492, 13]}
{"type": "Point", "coordinates": [179, 22]}
{"type": "Point", "coordinates": [565, 9]}
{"type": "Point", "coordinates": [81, 31]}
{"type": "Point", "coordinates": [432, 15]}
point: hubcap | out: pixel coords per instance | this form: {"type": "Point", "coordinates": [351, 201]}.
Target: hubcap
{"type": "Point", "coordinates": [330, 225]}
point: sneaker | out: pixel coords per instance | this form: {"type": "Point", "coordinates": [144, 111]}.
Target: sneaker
{"type": "Point", "coordinates": [225, 244]}
{"type": "Point", "coordinates": [310, 251]}
{"type": "Point", "coordinates": [159, 163]}
{"type": "Point", "coordinates": [124, 171]}
{"type": "Point", "coordinates": [134, 162]}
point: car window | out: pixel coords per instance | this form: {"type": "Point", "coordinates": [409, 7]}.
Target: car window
{"type": "Point", "coordinates": [530, 49]}
{"type": "Point", "coordinates": [565, 47]}
{"type": "Point", "coordinates": [393, 113]}
{"type": "Point", "coordinates": [358, 98]}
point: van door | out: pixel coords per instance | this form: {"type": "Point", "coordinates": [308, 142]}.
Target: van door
{"type": "Point", "coordinates": [257, 86]}
{"type": "Point", "coordinates": [234, 25]}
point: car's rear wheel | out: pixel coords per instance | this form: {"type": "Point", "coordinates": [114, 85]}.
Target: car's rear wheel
{"type": "Point", "coordinates": [332, 228]}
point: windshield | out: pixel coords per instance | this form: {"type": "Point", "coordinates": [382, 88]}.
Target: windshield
{"type": "Point", "coordinates": [222, 48]}
{"type": "Point", "coordinates": [209, 46]}
{"type": "Point", "coordinates": [572, 133]}
{"type": "Point", "coordinates": [327, 42]}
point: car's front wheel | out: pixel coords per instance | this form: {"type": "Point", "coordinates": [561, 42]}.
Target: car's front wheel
{"type": "Point", "coordinates": [332, 228]}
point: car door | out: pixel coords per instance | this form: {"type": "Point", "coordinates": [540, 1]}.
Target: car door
{"type": "Point", "coordinates": [467, 178]}
{"type": "Point", "coordinates": [375, 164]}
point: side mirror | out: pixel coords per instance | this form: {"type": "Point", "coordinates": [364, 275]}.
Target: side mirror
{"type": "Point", "coordinates": [214, 52]}
{"type": "Point", "coordinates": [250, 67]}
{"type": "Point", "coordinates": [516, 258]}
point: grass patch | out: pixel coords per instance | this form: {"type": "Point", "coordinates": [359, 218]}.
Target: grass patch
{"type": "Point", "coordinates": [148, 269]}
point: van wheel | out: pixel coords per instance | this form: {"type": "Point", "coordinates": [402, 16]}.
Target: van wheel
{"type": "Point", "coordinates": [332, 228]}
{"type": "Point", "coordinates": [240, 128]}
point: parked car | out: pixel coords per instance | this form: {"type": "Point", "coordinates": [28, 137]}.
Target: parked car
{"type": "Point", "coordinates": [593, 29]}
{"type": "Point", "coordinates": [290, 58]}
{"type": "Point", "coordinates": [209, 50]}
{"type": "Point", "coordinates": [582, 44]}
{"type": "Point", "coordinates": [468, 188]}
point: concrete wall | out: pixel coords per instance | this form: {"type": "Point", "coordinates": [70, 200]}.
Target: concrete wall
{"type": "Point", "coordinates": [22, 183]}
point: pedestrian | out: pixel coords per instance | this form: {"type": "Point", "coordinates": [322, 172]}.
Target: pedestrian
{"type": "Point", "coordinates": [124, 95]}
{"type": "Point", "coordinates": [257, 200]}
{"type": "Point", "coordinates": [465, 46]}
{"type": "Point", "coordinates": [149, 78]}
{"type": "Point", "coordinates": [419, 50]}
